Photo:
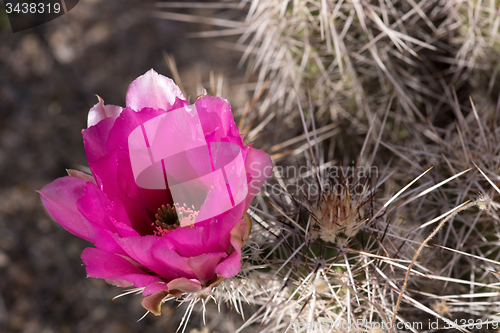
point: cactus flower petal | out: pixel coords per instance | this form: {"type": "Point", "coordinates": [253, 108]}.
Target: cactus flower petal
{"type": "Point", "coordinates": [165, 203]}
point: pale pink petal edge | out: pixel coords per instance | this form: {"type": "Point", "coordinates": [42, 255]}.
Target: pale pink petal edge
{"type": "Point", "coordinates": [152, 90]}
{"type": "Point", "coordinates": [100, 111]}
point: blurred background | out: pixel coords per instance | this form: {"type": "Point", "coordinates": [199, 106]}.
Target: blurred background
{"type": "Point", "coordinates": [49, 76]}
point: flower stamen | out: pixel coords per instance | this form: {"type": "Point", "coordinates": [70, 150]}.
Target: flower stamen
{"type": "Point", "coordinates": [166, 220]}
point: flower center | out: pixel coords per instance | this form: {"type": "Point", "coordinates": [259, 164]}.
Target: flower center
{"type": "Point", "coordinates": [166, 220]}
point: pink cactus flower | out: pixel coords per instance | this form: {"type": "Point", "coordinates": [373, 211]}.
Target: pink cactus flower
{"type": "Point", "coordinates": [147, 161]}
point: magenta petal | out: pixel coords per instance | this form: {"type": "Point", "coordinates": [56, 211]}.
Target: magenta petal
{"type": "Point", "coordinates": [179, 103]}
{"type": "Point", "coordinates": [141, 250]}
{"type": "Point", "coordinates": [148, 200]}
{"type": "Point", "coordinates": [105, 240]}
{"type": "Point", "coordinates": [154, 288]}
{"type": "Point", "coordinates": [204, 265]}
{"type": "Point", "coordinates": [100, 111]}
{"type": "Point", "coordinates": [201, 267]}
{"type": "Point", "coordinates": [120, 220]}
{"type": "Point", "coordinates": [119, 213]}
{"type": "Point", "coordinates": [209, 236]}
{"type": "Point", "coordinates": [217, 120]}
{"type": "Point", "coordinates": [124, 230]}
{"type": "Point", "coordinates": [114, 172]}
{"type": "Point", "coordinates": [152, 90]}
{"type": "Point", "coordinates": [100, 264]}
{"type": "Point", "coordinates": [231, 266]}
{"type": "Point", "coordinates": [172, 262]}
{"type": "Point", "coordinates": [126, 123]}
{"type": "Point", "coordinates": [259, 166]}
{"type": "Point", "coordinates": [109, 177]}
{"type": "Point", "coordinates": [94, 206]}
{"type": "Point", "coordinates": [192, 242]}
{"type": "Point", "coordinates": [95, 138]}
{"type": "Point", "coordinates": [60, 198]}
